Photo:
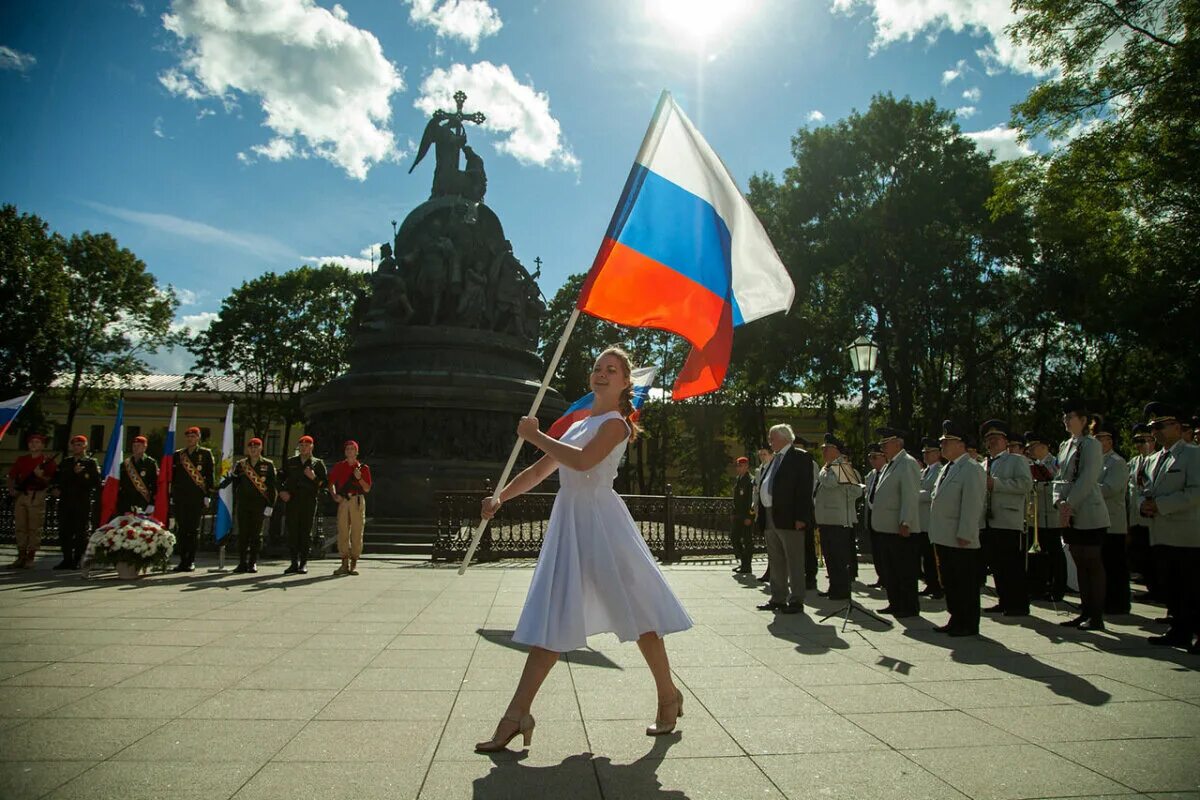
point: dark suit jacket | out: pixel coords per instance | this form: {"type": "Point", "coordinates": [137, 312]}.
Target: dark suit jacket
{"type": "Point", "coordinates": [791, 492]}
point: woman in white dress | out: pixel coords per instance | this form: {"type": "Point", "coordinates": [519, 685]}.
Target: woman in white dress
{"type": "Point", "coordinates": [595, 573]}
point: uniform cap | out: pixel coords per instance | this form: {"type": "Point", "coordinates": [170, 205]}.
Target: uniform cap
{"type": "Point", "coordinates": [1160, 414]}
{"type": "Point", "coordinates": [79, 437]}
{"type": "Point", "coordinates": [833, 441]}
{"type": "Point", "coordinates": [874, 447]}
{"type": "Point", "coordinates": [255, 441]}
{"type": "Point", "coordinates": [192, 430]}
{"type": "Point", "coordinates": [140, 440]}
{"type": "Point", "coordinates": [40, 436]}
{"type": "Point", "coordinates": [953, 432]}
{"type": "Point", "coordinates": [306, 440]}
{"type": "Point", "coordinates": [930, 444]}
{"type": "Point", "coordinates": [993, 427]}
{"type": "Point", "coordinates": [350, 443]}
{"type": "Point", "coordinates": [887, 434]}
{"type": "Point", "coordinates": [1104, 428]}
{"type": "Point", "coordinates": [742, 460]}
{"type": "Point", "coordinates": [1031, 438]}
{"type": "Point", "coordinates": [1017, 438]}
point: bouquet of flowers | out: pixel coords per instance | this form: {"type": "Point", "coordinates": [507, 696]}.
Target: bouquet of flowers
{"type": "Point", "coordinates": [134, 539]}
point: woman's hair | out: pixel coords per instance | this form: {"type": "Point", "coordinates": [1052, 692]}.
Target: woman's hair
{"type": "Point", "coordinates": [626, 402]}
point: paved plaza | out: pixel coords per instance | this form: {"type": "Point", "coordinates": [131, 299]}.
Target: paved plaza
{"type": "Point", "coordinates": [215, 685]}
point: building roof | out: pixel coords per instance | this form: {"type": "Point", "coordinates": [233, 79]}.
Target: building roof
{"type": "Point", "coordinates": [147, 382]}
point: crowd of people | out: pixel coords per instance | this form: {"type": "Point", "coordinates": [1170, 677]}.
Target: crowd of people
{"type": "Point", "coordinates": [1038, 520]}
{"type": "Point", "coordinates": [256, 483]}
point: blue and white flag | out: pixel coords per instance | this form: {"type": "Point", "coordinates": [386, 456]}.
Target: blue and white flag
{"type": "Point", "coordinates": [225, 496]}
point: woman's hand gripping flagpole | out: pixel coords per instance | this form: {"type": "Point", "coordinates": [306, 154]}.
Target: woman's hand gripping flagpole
{"type": "Point", "coordinates": [512, 457]}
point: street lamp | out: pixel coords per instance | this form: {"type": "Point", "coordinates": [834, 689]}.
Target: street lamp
{"type": "Point", "coordinates": [863, 354]}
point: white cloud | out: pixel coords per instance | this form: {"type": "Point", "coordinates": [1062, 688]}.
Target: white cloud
{"type": "Point", "coordinates": [816, 116]}
{"type": "Point", "coordinates": [973, 94]}
{"type": "Point", "coordinates": [158, 128]}
{"type": "Point", "coordinates": [534, 136]}
{"type": "Point", "coordinates": [349, 262]}
{"type": "Point", "coordinates": [137, 7]}
{"type": "Point", "coordinates": [188, 297]}
{"type": "Point", "coordinates": [369, 250]}
{"type": "Point", "coordinates": [466, 20]}
{"type": "Point", "coordinates": [261, 246]}
{"type": "Point", "coordinates": [278, 149]}
{"type": "Point", "coordinates": [954, 73]}
{"type": "Point", "coordinates": [205, 112]}
{"type": "Point", "coordinates": [1002, 142]}
{"type": "Point", "coordinates": [319, 79]}
{"type": "Point", "coordinates": [16, 60]}
{"type": "Point", "coordinates": [194, 323]}
{"type": "Point", "coordinates": [965, 112]}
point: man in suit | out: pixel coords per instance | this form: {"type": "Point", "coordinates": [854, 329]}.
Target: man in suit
{"type": "Point", "coordinates": [876, 463]}
{"type": "Point", "coordinates": [1172, 503]}
{"type": "Point", "coordinates": [931, 455]}
{"type": "Point", "coordinates": [833, 500]}
{"type": "Point", "coordinates": [785, 512]}
{"type": "Point", "coordinates": [1009, 482]}
{"type": "Point", "coordinates": [741, 533]}
{"type": "Point", "coordinates": [896, 514]}
{"type": "Point", "coordinates": [957, 501]}
{"type": "Point", "coordinates": [1141, 560]}
{"type": "Point", "coordinates": [1114, 486]}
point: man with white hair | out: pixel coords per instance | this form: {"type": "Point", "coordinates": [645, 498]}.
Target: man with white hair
{"type": "Point", "coordinates": [895, 512]}
{"type": "Point", "coordinates": [785, 512]}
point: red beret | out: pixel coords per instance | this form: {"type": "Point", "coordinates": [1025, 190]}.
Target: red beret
{"type": "Point", "coordinates": [192, 430]}
{"type": "Point", "coordinates": [306, 440]}
{"type": "Point", "coordinates": [141, 439]}
{"type": "Point", "coordinates": [743, 460]}
{"type": "Point", "coordinates": [79, 437]}
{"type": "Point", "coordinates": [350, 443]}
{"type": "Point", "coordinates": [40, 436]}
{"type": "Point", "coordinates": [255, 441]}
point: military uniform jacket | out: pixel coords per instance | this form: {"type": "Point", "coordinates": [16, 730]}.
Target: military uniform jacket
{"type": "Point", "coordinates": [897, 498]}
{"type": "Point", "coordinates": [833, 499]}
{"type": "Point", "coordinates": [1114, 487]}
{"type": "Point", "coordinates": [75, 487]}
{"type": "Point", "coordinates": [254, 484]}
{"type": "Point", "coordinates": [1139, 481]}
{"type": "Point", "coordinates": [956, 503]}
{"type": "Point", "coordinates": [1047, 514]}
{"type": "Point", "coordinates": [186, 465]}
{"type": "Point", "coordinates": [1004, 507]}
{"type": "Point", "coordinates": [1080, 463]}
{"type": "Point", "coordinates": [1175, 487]}
{"type": "Point", "coordinates": [293, 480]}
{"type": "Point", "coordinates": [929, 475]}
{"type": "Point", "coordinates": [743, 491]}
{"type": "Point", "coordinates": [128, 494]}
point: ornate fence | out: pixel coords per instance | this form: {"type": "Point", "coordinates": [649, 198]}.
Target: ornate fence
{"type": "Point", "coordinates": [674, 527]}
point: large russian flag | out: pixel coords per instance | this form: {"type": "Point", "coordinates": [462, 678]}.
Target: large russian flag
{"type": "Point", "coordinates": [684, 252]}
{"type": "Point", "coordinates": [162, 497]}
{"type": "Point", "coordinates": [643, 379]}
{"type": "Point", "coordinates": [9, 410]}
{"type": "Point", "coordinates": [112, 466]}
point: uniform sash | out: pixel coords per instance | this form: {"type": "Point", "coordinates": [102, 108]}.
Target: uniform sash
{"type": "Point", "coordinates": [255, 479]}
{"type": "Point", "coordinates": [192, 470]}
{"type": "Point", "coordinates": [136, 480]}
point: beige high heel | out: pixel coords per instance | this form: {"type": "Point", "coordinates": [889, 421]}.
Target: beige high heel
{"type": "Point", "coordinates": [524, 727]}
{"type": "Point", "coordinates": [660, 726]}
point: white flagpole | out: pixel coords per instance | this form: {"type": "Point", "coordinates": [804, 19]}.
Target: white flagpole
{"type": "Point", "coordinates": [512, 457]}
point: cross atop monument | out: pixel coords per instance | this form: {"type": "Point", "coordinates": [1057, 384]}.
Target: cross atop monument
{"type": "Point", "coordinates": [457, 116]}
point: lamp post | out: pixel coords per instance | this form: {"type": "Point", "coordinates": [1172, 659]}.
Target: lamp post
{"type": "Point", "coordinates": [863, 354]}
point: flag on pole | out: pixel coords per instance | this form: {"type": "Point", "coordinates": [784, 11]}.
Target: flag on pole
{"type": "Point", "coordinates": [643, 379]}
{"type": "Point", "coordinates": [684, 252]}
{"type": "Point", "coordinates": [112, 466]}
{"type": "Point", "coordinates": [225, 496]}
{"type": "Point", "coordinates": [9, 410]}
{"type": "Point", "coordinates": [162, 500]}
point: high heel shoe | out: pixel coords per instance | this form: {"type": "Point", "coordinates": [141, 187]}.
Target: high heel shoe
{"type": "Point", "coordinates": [661, 727]}
{"type": "Point", "coordinates": [497, 743]}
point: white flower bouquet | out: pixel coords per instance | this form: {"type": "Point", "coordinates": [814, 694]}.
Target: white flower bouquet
{"type": "Point", "coordinates": [133, 539]}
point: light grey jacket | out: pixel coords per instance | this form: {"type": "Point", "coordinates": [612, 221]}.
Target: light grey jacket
{"type": "Point", "coordinates": [898, 496]}
{"type": "Point", "coordinates": [1047, 514]}
{"type": "Point", "coordinates": [1135, 493]}
{"type": "Point", "coordinates": [928, 479]}
{"type": "Point", "coordinates": [1011, 484]}
{"type": "Point", "coordinates": [1175, 487]}
{"type": "Point", "coordinates": [957, 503]}
{"type": "Point", "coordinates": [833, 501]}
{"type": "Point", "coordinates": [1080, 463]}
{"type": "Point", "coordinates": [1114, 487]}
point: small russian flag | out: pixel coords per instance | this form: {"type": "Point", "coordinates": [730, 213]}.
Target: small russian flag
{"type": "Point", "coordinates": [9, 410]}
{"type": "Point", "coordinates": [162, 496]}
{"type": "Point", "coordinates": [112, 466]}
{"type": "Point", "coordinates": [643, 379]}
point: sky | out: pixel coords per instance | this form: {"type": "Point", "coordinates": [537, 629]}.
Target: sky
{"type": "Point", "coordinates": [221, 139]}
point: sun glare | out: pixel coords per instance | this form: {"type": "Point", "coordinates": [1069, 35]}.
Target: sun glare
{"type": "Point", "coordinates": [698, 21]}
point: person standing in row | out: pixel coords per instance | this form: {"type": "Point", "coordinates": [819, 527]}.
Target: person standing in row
{"type": "Point", "coordinates": [764, 458]}
{"type": "Point", "coordinates": [1114, 486]}
{"type": "Point", "coordinates": [1141, 560]}
{"type": "Point", "coordinates": [741, 531]}
{"type": "Point", "coordinates": [931, 455]}
{"type": "Point", "coordinates": [349, 483]}
{"type": "Point", "coordinates": [1082, 513]}
{"type": "Point", "coordinates": [896, 514]}
{"type": "Point", "coordinates": [876, 461]}
{"type": "Point", "coordinates": [253, 499]}
{"type": "Point", "coordinates": [1009, 482]}
{"type": "Point", "coordinates": [302, 478]}
{"type": "Point", "coordinates": [838, 486]}
{"type": "Point", "coordinates": [785, 512]}
{"type": "Point", "coordinates": [958, 499]}
{"type": "Point", "coordinates": [28, 480]}
{"type": "Point", "coordinates": [139, 480]}
{"type": "Point", "coordinates": [75, 485]}
{"type": "Point", "coordinates": [1050, 567]}
{"type": "Point", "coordinates": [192, 480]}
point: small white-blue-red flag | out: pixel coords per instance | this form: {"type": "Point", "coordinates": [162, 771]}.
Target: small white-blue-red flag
{"type": "Point", "coordinates": [166, 468]}
{"type": "Point", "coordinates": [643, 379]}
{"type": "Point", "coordinates": [9, 410]}
{"type": "Point", "coordinates": [112, 466]}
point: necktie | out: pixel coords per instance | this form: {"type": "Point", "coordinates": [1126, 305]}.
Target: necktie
{"type": "Point", "coordinates": [878, 479]}
{"type": "Point", "coordinates": [942, 475]}
{"type": "Point", "coordinates": [1158, 467]}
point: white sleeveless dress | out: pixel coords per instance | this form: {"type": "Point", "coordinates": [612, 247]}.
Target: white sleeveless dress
{"type": "Point", "coordinates": [595, 573]}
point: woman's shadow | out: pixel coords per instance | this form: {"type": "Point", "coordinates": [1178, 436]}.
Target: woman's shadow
{"type": "Point", "coordinates": [573, 776]}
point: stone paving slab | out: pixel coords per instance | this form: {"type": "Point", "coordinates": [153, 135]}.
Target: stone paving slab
{"type": "Point", "coordinates": [215, 685]}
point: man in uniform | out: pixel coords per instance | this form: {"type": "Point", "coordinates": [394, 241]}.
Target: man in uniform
{"type": "Point", "coordinates": [931, 455]}
{"type": "Point", "coordinates": [1016, 445]}
{"type": "Point", "coordinates": [957, 503]}
{"type": "Point", "coordinates": [1114, 486]}
{"type": "Point", "coordinates": [741, 525]}
{"type": "Point", "coordinates": [1140, 557]}
{"type": "Point", "coordinates": [28, 480]}
{"type": "Point", "coordinates": [876, 462]}
{"type": "Point", "coordinates": [349, 482]}
{"type": "Point", "coordinates": [895, 502]}
{"type": "Point", "coordinates": [253, 499]}
{"type": "Point", "coordinates": [1009, 482]}
{"type": "Point", "coordinates": [139, 480]}
{"type": "Point", "coordinates": [838, 487]}
{"type": "Point", "coordinates": [1049, 570]}
{"type": "Point", "coordinates": [191, 488]}
{"type": "Point", "coordinates": [75, 484]}
{"type": "Point", "coordinates": [1172, 503]}
{"type": "Point", "coordinates": [303, 476]}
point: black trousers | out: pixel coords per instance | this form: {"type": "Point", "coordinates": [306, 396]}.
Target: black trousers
{"type": "Point", "coordinates": [188, 513]}
{"type": "Point", "coordinates": [929, 571]}
{"type": "Point", "coordinates": [249, 530]}
{"type": "Point", "coordinates": [1116, 574]}
{"type": "Point", "coordinates": [960, 571]}
{"type": "Point", "coordinates": [837, 545]}
{"type": "Point", "coordinates": [1004, 552]}
{"type": "Point", "coordinates": [741, 538]}
{"type": "Point", "coordinates": [810, 557]}
{"type": "Point", "coordinates": [902, 558]}
{"type": "Point", "coordinates": [298, 516]}
{"type": "Point", "coordinates": [1051, 564]}
{"type": "Point", "coordinates": [74, 527]}
{"type": "Point", "coordinates": [877, 556]}
{"type": "Point", "coordinates": [1178, 570]}
{"type": "Point", "coordinates": [1141, 558]}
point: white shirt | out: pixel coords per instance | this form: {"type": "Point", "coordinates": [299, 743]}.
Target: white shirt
{"type": "Point", "coordinates": [764, 491]}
